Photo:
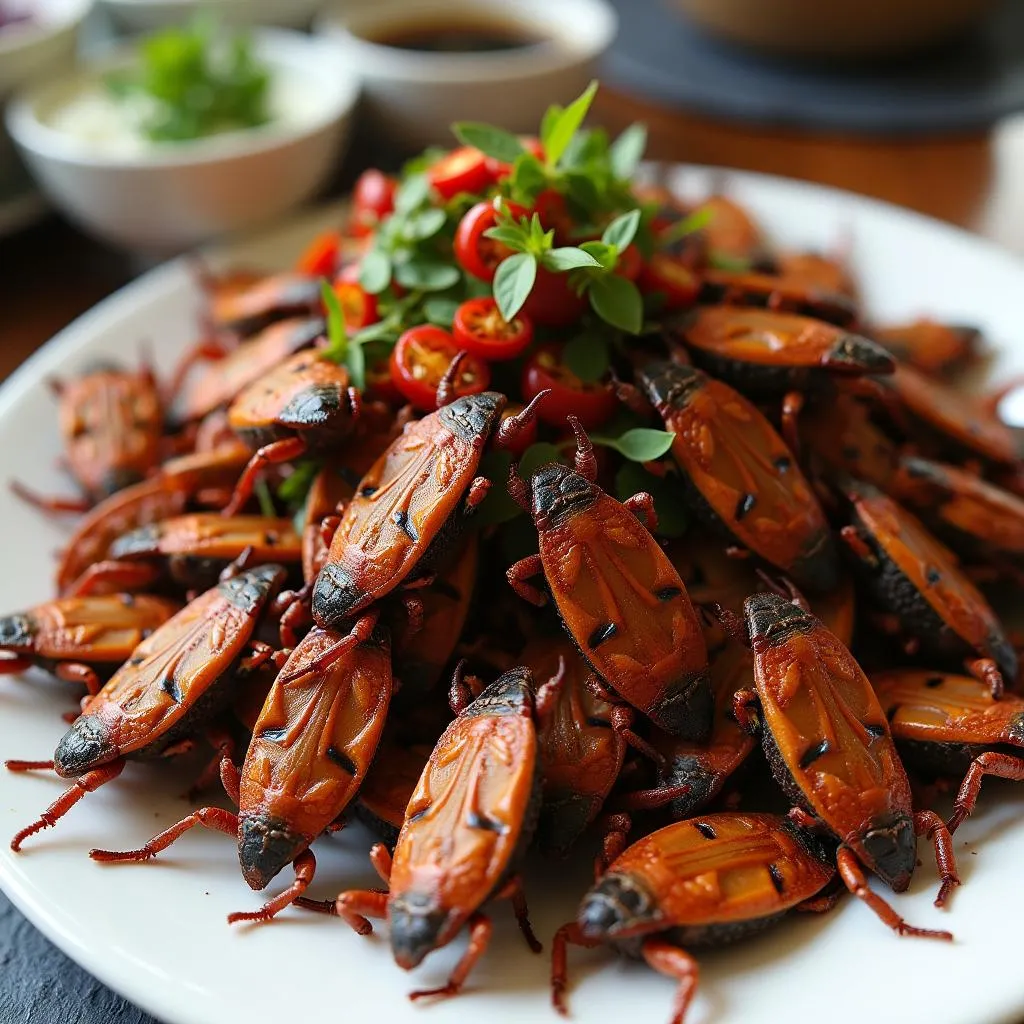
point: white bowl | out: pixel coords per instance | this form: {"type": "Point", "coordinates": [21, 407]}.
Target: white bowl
{"type": "Point", "coordinates": [33, 50]}
{"type": "Point", "coordinates": [142, 15]}
{"type": "Point", "coordinates": [170, 196]}
{"type": "Point", "coordinates": [414, 96]}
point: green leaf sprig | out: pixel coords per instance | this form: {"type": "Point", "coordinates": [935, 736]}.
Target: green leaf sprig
{"type": "Point", "coordinates": [640, 444]}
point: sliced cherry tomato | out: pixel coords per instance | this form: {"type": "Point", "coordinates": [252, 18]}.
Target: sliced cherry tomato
{"type": "Point", "coordinates": [420, 359]}
{"type": "Point", "coordinates": [526, 437]}
{"type": "Point", "coordinates": [372, 200]}
{"type": "Point", "coordinates": [592, 403]}
{"type": "Point", "coordinates": [554, 214]}
{"type": "Point", "coordinates": [667, 275]}
{"type": "Point", "coordinates": [551, 302]}
{"type": "Point", "coordinates": [498, 169]}
{"type": "Point", "coordinates": [321, 256]}
{"type": "Point", "coordinates": [482, 331]}
{"type": "Point", "coordinates": [475, 253]}
{"type": "Point", "coordinates": [358, 306]}
{"type": "Point", "coordinates": [630, 263]}
{"type": "Point", "coordinates": [462, 170]}
{"type": "Point", "coordinates": [379, 384]}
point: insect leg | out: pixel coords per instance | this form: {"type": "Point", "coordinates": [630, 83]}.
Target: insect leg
{"type": "Point", "coordinates": [205, 350]}
{"type": "Point", "coordinates": [546, 700]}
{"type": "Point", "coordinates": [356, 906]}
{"type": "Point", "coordinates": [277, 451]}
{"type": "Point", "coordinates": [304, 867]}
{"type": "Point", "coordinates": [446, 385]}
{"type": "Point", "coordinates": [14, 666]}
{"type": "Point", "coordinates": [211, 817]}
{"type": "Point", "coordinates": [520, 572]}
{"type": "Point", "coordinates": [584, 460]}
{"type": "Point", "coordinates": [480, 929]}
{"type": "Point", "coordinates": [615, 839]}
{"type": "Point", "coordinates": [85, 784]}
{"type": "Point", "coordinates": [675, 963]}
{"type": "Point", "coordinates": [745, 704]}
{"type": "Point", "coordinates": [1005, 766]}
{"type": "Point", "coordinates": [651, 799]}
{"type": "Point", "coordinates": [380, 858]}
{"type": "Point", "coordinates": [928, 823]}
{"type": "Point", "coordinates": [40, 501]}
{"type": "Point", "coordinates": [113, 576]}
{"type": "Point", "coordinates": [477, 492]}
{"type": "Point", "coordinates": [513, 891]}
{"type": "Point", "coordinates": [224, 750]}
{"type": "Point", "coordinates": [464, 689]}
{"type": "Point", "coordinates": [513, 426]}
{"type": "Point", "coordinates": [641, 505]}
{"type": "Point", "coordinates": [360, 634]}
{"type": "Point", "coordinates": [518, 488]}
{"type": "Point", "coordinates": [852, 875]}
{"type": "Point", "coordinates": [29, 766]}
{"type": "Point", "coordinates": [568, 934]}
{"type": "Point", "coordinates": [856, 543]}
{"type": "Point", "coordinates": [986, 671]}
{"type": "Point", "coordinates": [622, 723]}
{"type": "Point", "coordinates": [76, 672]}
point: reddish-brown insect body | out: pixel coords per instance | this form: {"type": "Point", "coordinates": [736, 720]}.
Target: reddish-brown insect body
{"type": "Point", "coordinates": [619, 597]}
{"type": "Point", "coordinates": [732, 233]}
{"type": "Point", "coordinates": [743, 479]}
{"type": "Point", "coordinates": [954, 727]}
{"type": "Point", "coordinates": [245, 303]}
{"type": "Point", "coordinates": [111, 422]}
{"type": "Point", "coordinates": [389, 786]}
{"type": "Point", "coordinates": [930, 346]}
{"type": "Point", "coordinates": [827, 274]}
{"type": "Point", "coordinates": [327, 497]}
{"type": "Point", "coordinates": [707, 881]}
{"type": "Point", "coordinates": [913, 578]}
{"type": "Point", "coordinates": [403, 506]}
{"type": "Point", "coordinates": [767, 353]}
{"type": "Point", "coordinates": [828, 743]}
{"type": "Point", "coordinates": [793, 295]}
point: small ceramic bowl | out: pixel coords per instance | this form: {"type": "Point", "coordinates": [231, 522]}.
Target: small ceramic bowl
{"type": "Point", "coordinates": [413, 96]}
{"type": "Point", "coordinates": [164, 197]}
{"type": "Point", "coordinates": [145, 15]}
{"type": "Point", "coordinates": [41, 46]}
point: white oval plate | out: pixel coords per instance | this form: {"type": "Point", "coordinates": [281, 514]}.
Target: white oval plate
{"type": "Point", "coordinates": [156, 932]}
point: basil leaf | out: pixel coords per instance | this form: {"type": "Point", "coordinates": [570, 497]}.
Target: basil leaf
{"type": "Point", "coordinates": [605, 254]}
{"type": "Point", "coordinates": [568, 258]}
{"type": "Point", "coordinates": [293, 489]}
{"type": "Point", "coordinates": [581, 189]}
{"type": "Point", "coordinates": [622, 230]}
{"type": "Point", "coordinates": [440, 311]}
{"type": "Point", "coordinates": [355, 361]}
{"type": "Point", "coordinates": [337, 336]}
{"type": "Point", "coordinates": [689, 225]}
{"type": "Point", "coordinates": [587, 356]}
{"type": "Point", "coordinates": [424, 225]}
{"type": "Point", "coordinates": [548, 122]}
{"type": "Point", "coordinates": [617, 301]}
{"type": "Point", "coordinates": [427, 275]}
{"type": "Point", "coordinates": [263, 497]}
{"type": "Point", "coordinates": [411, 193]}
{"type": "Point", "coordinates": [386, 330]}
{"type": "Point", "coordinates": [495, 142]}
{"type": "Point", "coordinates": [510, 235]}
{"type": "Point", "coordinates": [641, 444]}
{"type": "Point", "coordinates": [375, 271]}
{"type": "Point", "coordinates": [669, 501]}
{"type": "Point", "coordinates": [566, 125]}
{"type": "Point", "coordinates": [627, 150]}
{"type": "Point", "coordinates": [528, 178]}
{"type": "Point", "coordinates": [513, 282]}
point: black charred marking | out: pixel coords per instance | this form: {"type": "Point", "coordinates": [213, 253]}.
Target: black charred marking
{"type": "Point", "coordinates": [783, 463]}
{"type": "Point", "coordinates": [341, 759]}
{"type": "Point", "coordinates": [477, 820]}
{"type": "Point", "coordinates": [603, 632]}
{"type": "Point", "coordinates": [598, 723]}
{"type": "Point", "coordinates": [418, 814]}
{"type": "Point", "coordinates": [668, 593]}
{"type": "Point", "coordinates": [705, 830]}
{"type": "Point", "coordinates": [274, 735]}
{"type": "Point", "coordinates": [876, 732]}
{"type": "Point", "coordinates": [368, 491]}
{"type": "Point", "coordinates": [136, 659]}
{"type": "Point", "coordinates": [777, 880]}
{"type": "Point", "coordinates": [933, 681]}
{"type": "Point", "coordinates": [745, 505]}
{"type": "Point", "coordinates": [400, 517]}
{"type": "Point", "coordinates": [933, 575]}
{"type": "Point", "coordinates": [170, 686]}
{"type": "Point", "coordinates": [811, 754]}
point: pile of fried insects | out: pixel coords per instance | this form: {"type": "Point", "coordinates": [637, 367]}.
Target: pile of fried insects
{"type": "Point", "coordinates": [514, 515]}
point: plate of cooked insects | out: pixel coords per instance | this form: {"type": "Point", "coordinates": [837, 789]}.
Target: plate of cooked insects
{"type": "Point", "coordinates": [583, 586]}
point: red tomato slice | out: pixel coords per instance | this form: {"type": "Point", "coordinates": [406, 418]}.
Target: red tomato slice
{"type": "Point", "coordinates": [462, 170]}
{"type": "Point", "coordinates": [420, 359]}
{"type": "Point", "coordinates": [482, 331]}
{"type": "Point", "coordinates": [321, 256]}
{"type": "Point", "coordinates": [593, 403]}
{"type": "Point", "coordinates": [358, 306]}
{"type": "Point", "coordinates": [474, 251]}
{"type": "Point", "coordinates": [677, 283]}
{"type": "Point", "coordinates": [630, 263]}
{"type": "Point", "coordinates": [552, 303]}
{"type": "Point", "coordinates": [372, 200]}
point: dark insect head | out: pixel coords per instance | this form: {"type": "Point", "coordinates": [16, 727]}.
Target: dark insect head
{"type": "Point", "coordinates": [86, 745]}
{"type": "Point", "coordinates": [616, 907]}
{"type": "Point", "coordinates": [670, 385]}
{"type": "Point", "coordinates": [265, 846]}
{"type": "Point", "coordinates": [559, 493]}
{"type": "Point", "coordinates": [853, 353]}
{"type": "Point", "coordinates": [889, 848]}
{"type": "Point", "coordinates": [772, 619]}
{"type": "Point", "coordinates": [416, 928]}
{"type": "Point", "coordinates": [16, 632]}
{"type": "Point", "coordinates": [472, 417]}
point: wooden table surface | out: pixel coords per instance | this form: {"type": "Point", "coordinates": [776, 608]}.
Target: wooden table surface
{"type": "Point", "coordinates": [50, 274]}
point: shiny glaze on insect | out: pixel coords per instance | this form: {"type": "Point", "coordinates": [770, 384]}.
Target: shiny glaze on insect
{"type": "Point", "coordinates": [910, 575]}
{"type": "Point", "coordinates": [469, 820]}
{"type": "Point", "coordinates": [929, 346]}
{"type": "Point", "coordinates": [827, 738]}
{"type": "Point", "coordinates": [580, 752]}
{"type": "Point", "coordinates": [789, 294]}
{"type": "Point", "coordinates": [95, 630]}
{"type": "Point", "coordinates": [222, 380]}
{"type": "Point", "coordinates": [167, 493]}
{"type": "Point", "coordinates": [311, 748]}
{"type": "Point", "coordinates": [403, 505]}
{"type": "Point", "coordinates": [622, 601]}
{"type": "Point", "coordinates": [170, 680]}
{"type": "Point", "coordinates": [307, 395]}
{"type": "Point", "coordinates": [244, 303]}
{"type": "Point", "coordinates": [111, 422]}
{"type": "Point", "coordinates": [950, 422]}
{"type": "Point", "coordinates": [765, 352]}
{"type": "Point", "coordinates": [742, 477]}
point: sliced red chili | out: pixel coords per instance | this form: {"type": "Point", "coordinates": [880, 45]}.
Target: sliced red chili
{"type": "Point", "coordinates": [481, 330]}
{"type": "Point", "coordinates": [592, 403]}
{"type": "Point", "coordinates": [358, 306]}
{"type": "Point", "coordinates": [551, 302]}
{"type": "Point", "coordinates": [667, 275]}
{"type": "Point", "coordinates": [462, 170]}
{"type": "Point", "coordinates": [420, 359]}
{"type": "Point", "coordinates": [372, 200]}
{"type": "Point", "coordinates": [320, 258]}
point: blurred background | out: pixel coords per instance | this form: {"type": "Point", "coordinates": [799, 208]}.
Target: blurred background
{"type": "Point", "coordinates": [918, 102]}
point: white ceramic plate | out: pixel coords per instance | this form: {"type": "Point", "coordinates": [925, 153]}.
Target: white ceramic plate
{"type": "Point", "coordinates": [156, 932]}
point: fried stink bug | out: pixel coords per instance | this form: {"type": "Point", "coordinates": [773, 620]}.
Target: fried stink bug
{"type": "Point", "coordinates": [742, 478]}
{"type": "Point", "coordinates": [929, 346]}
{"type": "Point", "coordinates": [619, 597]}
{"type": "Point", "coordinates": [311, 748]}
{"type": "Point", "coordinates": [828, 743]}
{"type": "Point", "coordinates": [792, 294]}
{"type": "Point", "coordinates": [178, 677]}
{"type": "Point", "coordinates": [707, 881]}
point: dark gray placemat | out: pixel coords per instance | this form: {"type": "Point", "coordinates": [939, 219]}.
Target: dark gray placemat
{"type": "Point", "coordinates": [969, 85]}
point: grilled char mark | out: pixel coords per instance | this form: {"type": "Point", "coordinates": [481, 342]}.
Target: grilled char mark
{"type": "Point", "coordinates": [559, 493]}
{"type": "Point", "coordinates": [170, 686]}
{"type": "Point", "coordinates": [251, 588]}
{"type": "Point", "coordinates": [472, 417]}
{"type": "Point", "coordinates": [265, 846]}
{"type": "Point", "coordinates": [772, 620]}
{"type": "Point", "coordinates": [934, 681]}
{"type": "Point", "coordinates": [336, 596]}
{"type": "Point", "coordinates": [400, 518]}
{"type": "Point", "coordinates": [17, 631]}
{"type": "Point", "coordinates": [342, 760]}
{"type": "Point", "coordinates": [670, 385]}
{"type": "Point", "coordinates": [705, 830]}
{"type": "Point", "coordinates": [274, 735]}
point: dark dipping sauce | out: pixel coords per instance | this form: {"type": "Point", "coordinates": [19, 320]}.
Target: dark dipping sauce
{"type": "Point", "coordinates": [462, 37]}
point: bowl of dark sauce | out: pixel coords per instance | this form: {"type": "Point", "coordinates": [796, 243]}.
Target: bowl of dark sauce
{"type": "Point", "coordinates": [427, 63]}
